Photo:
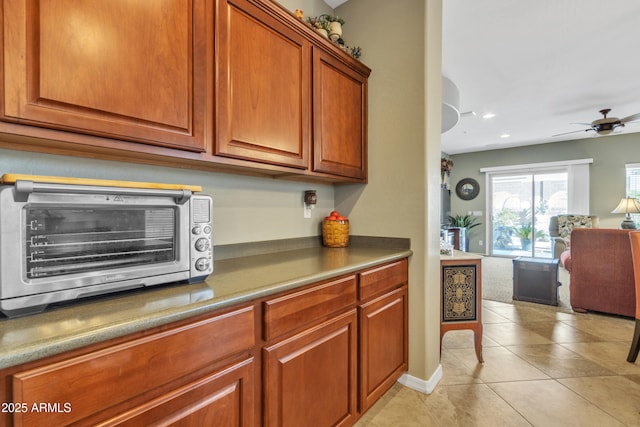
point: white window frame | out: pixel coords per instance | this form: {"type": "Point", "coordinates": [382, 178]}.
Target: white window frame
{"type": "Point", "coordinates": [632, 186]}
{"type": "Point", "coordinates": [578, 184]}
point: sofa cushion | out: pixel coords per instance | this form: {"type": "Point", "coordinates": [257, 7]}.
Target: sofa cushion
{"type": "Point", "coordinates": [566, 223]}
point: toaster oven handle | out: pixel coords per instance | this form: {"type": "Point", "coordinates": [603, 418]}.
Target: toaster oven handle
{"type": "Point", "coordinates": [24, 188]}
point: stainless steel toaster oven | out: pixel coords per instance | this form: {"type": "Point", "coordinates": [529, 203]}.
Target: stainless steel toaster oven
{"type": "Point", "coordinates": [63, 239]}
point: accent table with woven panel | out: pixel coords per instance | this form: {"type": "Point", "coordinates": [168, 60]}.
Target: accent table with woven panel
{"type": "Point", "coordinates": [461, 295]}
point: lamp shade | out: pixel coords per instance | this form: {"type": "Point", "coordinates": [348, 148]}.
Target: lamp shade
{"type": "Point", "coordinates": [627, 205]}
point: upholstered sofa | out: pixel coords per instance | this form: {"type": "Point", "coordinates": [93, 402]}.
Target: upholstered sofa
{"type": "Point", "coordinates": [601, 271]}
{"type": "Point", "coordinates": [560, 227]}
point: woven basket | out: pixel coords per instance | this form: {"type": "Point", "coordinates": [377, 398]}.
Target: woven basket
{"type": "Point", "coordinates": [335, 233]}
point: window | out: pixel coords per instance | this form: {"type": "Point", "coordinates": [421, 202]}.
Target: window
{"type": "Point", "coordinates": [633, 185]}
{"type": "Point", "coordinates": [521, 199]}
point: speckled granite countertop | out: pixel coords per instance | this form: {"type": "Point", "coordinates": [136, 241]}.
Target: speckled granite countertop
{"type": "Point", "coordinates": [236, 279]}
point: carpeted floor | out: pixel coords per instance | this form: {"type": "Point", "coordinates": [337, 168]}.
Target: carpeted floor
{"type": "Point", "coordinates": [497, 282]}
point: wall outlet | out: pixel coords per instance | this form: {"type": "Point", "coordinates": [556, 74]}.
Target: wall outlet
{"type": "Point", "coordinates": [307, 211]}
{"type": "Point", "coordinates": [480, 242]}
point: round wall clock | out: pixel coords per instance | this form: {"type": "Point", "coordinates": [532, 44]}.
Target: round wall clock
{"type": "Point", "coordinates": [467, 189]}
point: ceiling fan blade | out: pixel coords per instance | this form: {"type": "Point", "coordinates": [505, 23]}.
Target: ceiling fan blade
{"type": "Point", "coordinates": [631, 118]}
{"type": "Point", "coordinates": [575, 131]}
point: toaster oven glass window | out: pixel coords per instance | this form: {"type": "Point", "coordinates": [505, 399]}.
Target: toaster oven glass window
{"type": "Point", "coordinates": [71, 240]}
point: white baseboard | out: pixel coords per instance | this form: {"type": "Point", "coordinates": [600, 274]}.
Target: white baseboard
{"type": "Point", "coordinates": [418, 384]}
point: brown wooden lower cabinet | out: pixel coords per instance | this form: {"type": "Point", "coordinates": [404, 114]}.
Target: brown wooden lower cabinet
{"type": "Point", "coordinates": [152, 377]}
{"type": "Point", "coordinates": [316, 356]}
{"type": "Point", "coordinates": [383, 344]}
{"type": "Point", "coordinates": [310, 379]}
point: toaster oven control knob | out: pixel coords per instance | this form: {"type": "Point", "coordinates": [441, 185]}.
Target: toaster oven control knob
{"type": "Point", "coordinates": [202, 264]}
{"type": "Point", "coordinates": [202, 244]}
{"type": "Point", "coordinates": [207, 229]}
{"type": "Point", "coordinates": [195, 229]}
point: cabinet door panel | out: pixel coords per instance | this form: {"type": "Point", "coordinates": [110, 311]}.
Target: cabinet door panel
{"type": "Point", "coordinates": [310, 379]}
{"type": "Point", "coordinates": [122, 69]}
{"type": "Point", "coordinates": [340, 118]}
{"type": "Point", "coordinates": [264, 86]}
{"type": "Point", "coordinates": [383, 344]}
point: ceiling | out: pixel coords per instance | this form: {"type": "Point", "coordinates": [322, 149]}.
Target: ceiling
{"type": "Point", "coordinates": [539, 66]}
{"type": "Point", "coordinates": [543, 67]}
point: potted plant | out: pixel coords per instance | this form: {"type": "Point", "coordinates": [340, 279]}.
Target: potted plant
{"type": "Point", "coordinates": [525, 233]}
{"type": "Point", "coordinates": [319, 25]}
{"type": "Point", "coordinates": [333, 24]}
{"type": "Point", "coordinates": [464, 221]}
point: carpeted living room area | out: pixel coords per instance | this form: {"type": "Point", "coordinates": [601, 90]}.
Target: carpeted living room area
{"type": "Point", "coordinates": [497, 282]}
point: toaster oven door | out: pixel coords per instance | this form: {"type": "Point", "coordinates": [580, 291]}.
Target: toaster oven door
{"type": "Point", "coordinates": [72, 240]}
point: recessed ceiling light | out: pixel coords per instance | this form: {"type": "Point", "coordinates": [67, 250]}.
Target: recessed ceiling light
{"type": "Point", "coordinates": [505, 135]}
{"type": "Point", "coordinates": [488, 116]}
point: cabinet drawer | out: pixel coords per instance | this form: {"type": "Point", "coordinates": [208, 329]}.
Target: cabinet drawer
{"type": "Point", "coordinates": [292, 311]}
{"type": "Point", "coordinates": [96, 381]}
{"type": "Point", "coordinates": [380, 279]}
{"type": "Point", "coordinates": [219, 399]}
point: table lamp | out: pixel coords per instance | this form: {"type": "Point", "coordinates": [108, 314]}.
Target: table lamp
{"type": "Point", "coordinates": [627, 206]}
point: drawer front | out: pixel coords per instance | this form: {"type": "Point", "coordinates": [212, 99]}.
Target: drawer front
{"type": "Point", "coordinates": [380, 279]}
{"type": "Point", "coordinates": [96, 381]}
{"type": "Point", "coordinates": [292, 311]}
{"type": "Point", "coordinates": [224, 398]}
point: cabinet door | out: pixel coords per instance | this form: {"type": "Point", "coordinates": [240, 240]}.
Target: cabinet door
{"type": "Point", "coordinates": [223, 399]}
{"type": "Point", "coordinates": [264, 88]}
{"type": "Point", "coordinates": [125, 70]}
{"type": "Point", "coordinates": [383, 344]}
{"type": "Point", "coordinates": [310, 379]}
{"type": "Point", "coordinates": [340, 118]}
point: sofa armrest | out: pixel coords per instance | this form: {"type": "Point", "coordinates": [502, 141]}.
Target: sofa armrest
{"type": "Point", "coordinates": [558, 245]}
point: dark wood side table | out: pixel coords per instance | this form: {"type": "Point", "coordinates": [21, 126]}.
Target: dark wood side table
{"type": "Point", "coordinates": [461, 295]}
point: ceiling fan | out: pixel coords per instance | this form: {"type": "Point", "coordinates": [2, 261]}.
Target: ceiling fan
{"type": "Point", "coordinates": [605, 125]}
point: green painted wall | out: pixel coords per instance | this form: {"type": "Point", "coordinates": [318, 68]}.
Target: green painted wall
{"type": "Point", "coordinates": [245, 209]}
{"type": "Point", "coordinates": [607, 173]}
{"type": "Point", "coordinates": [309, 7]}
{"type": "Point", "coordinates": [402, 196]}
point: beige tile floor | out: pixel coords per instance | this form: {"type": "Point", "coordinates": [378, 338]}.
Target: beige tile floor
{"type": "Point", "coordinates": [543, 367]}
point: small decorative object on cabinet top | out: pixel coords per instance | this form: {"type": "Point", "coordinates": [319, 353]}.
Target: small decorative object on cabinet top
{"type": "Point", "coordinates": [334, 26]}
{"type": "Point", "coordinates": [467, 189]}
{"type": "Point", "coordinates": [331, 27]}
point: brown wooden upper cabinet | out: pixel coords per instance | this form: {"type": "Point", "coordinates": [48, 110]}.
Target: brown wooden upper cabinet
{"type": "Point", "coordinates": [340, 117]}
{"type": "Point", "coordinates": [233, 85]}
{"type": "Point", "coordinates": [126, 70]}
{"type": "Point", "coordinates": [263, 88]}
